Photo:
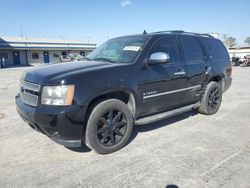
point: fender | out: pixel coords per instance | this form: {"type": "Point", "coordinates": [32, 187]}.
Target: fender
{"type": "Point", "coordinates": [132, 101]}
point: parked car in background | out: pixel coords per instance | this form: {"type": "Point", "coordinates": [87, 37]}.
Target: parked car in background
{"type": "Point", "coordinates": [236, 61]}
{"type": "Point", "coordinates": [246, 61]}
{"type": "Point", "coordinates": [128, 80]}
{"type": "Point", "coordinates": [72, 57]}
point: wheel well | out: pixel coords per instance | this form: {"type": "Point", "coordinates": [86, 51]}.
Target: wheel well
{"type": "Point", "coordinates": [220, 80]}
{"type": "Point", "coordinates": [125, 97]}
{"type": "Point", "coordinates": [216, 79]}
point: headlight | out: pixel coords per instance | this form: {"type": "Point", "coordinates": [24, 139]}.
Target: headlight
{"type": "Point", "coordinates": [58, 95]}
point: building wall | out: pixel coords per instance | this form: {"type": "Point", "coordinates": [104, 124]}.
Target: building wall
{"type": "Point", "coordinates": [31, 60]}
{"type": "Point", "coordinates": [22, 57]}
{"type": "Point", "coordinates": [54, 56]}
{"type": "Point", "coordinates": [28, 46]}
{"type": "Point", "coordinates": [6, 55]}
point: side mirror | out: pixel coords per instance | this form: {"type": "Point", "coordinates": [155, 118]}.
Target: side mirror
{"type": "Point", "coordinates": [158, 58]}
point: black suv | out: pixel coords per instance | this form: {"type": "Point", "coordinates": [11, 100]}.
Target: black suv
{"type": "Point", "coordinates": [128, 80]}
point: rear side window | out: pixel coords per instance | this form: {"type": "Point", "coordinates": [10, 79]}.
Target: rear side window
{"type": "Point", "coordinates": [216, 49]}
{"type": "Point", "coordinates": [167, 45]}
{"type": "Point", "coordinates": [192, 49]}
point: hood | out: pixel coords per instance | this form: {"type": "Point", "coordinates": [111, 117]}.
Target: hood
{"type": "Point", "coordinates": [44, 73]}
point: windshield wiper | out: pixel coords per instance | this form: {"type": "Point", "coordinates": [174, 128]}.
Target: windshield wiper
{"type": "Point", "coordinates": [104, 59]}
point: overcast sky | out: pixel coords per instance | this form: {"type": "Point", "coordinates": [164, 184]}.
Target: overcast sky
{"type": "Point", "coordinates": [103, 19]}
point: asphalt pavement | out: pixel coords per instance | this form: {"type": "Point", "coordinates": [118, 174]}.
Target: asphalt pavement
{"type": "Point", "coordinates": [189, 150]}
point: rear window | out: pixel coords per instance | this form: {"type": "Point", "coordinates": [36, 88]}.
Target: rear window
{"type": "Point", "coordinates": [216, 49]}
{"type": "Point", "coordinates": [192, 49]}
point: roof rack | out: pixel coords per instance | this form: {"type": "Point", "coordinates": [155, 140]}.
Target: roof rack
{"type": "Point", "coordinates": [184, 32]}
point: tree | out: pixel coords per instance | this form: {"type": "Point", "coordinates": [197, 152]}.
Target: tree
{"type": "Point", "coordinates": [247, 40]}
{"type": "Point", "coordinates": [229, 41]}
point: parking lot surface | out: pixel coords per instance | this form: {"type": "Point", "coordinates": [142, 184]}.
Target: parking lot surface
{"type": "Point", "coordinates": [189, 150]}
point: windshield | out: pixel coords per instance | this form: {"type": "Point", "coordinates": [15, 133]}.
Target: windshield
{"type": "Point", "coordinates": [119, 50]}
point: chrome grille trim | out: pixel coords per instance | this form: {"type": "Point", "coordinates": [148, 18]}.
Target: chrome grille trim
{"type": "Point", "coordinates": [29, 93]}
{"type": "Point", "coordinates": [29, 99]}
{"type": "Point", "coordinates": [30, 86]}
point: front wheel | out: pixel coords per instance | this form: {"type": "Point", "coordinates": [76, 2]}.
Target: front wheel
{"type": "Point", "coordinates": [109, 126]}
{"type": "Point", "coordinates": [211, 99]}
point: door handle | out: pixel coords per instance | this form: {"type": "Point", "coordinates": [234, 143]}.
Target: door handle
{"type": "Point", "coordinates": [180, 73]}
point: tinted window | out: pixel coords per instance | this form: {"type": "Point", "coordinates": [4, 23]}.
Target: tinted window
{"type": "Point", "coordinates": [216, 49]}
{"type": "Point", "coordinates": [119, 50]}
{"type": "Point", "coordinates": [167, 45]}
{"type": "Point", "coordinates": [192, 49]}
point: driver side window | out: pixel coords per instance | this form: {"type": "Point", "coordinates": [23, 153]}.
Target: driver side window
{"type": "Point", "coordinates": [167, 45]}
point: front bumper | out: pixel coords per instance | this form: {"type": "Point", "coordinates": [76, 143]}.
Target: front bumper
{"type": "Point", "coordinates": [64, 125]}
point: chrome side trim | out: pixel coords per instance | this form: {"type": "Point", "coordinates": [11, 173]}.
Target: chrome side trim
{"type": "Point", "coordinates": [180, 73]}
{"type": "Point", "coordinates": [30, 86]}
{"type": "Point", "coordinates": [167, 114]}
{"type": "Point", "coordinates": [170, 92]}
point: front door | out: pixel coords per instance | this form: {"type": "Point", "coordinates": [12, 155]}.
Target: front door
{"type": "Point", "coordinates": [164, 85]}
{"type": "Point", "coordinates": [16, 58]}
{"type": "Point", "coordinates": [46, 57]}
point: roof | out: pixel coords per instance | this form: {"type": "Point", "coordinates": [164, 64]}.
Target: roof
{"type": "Point", "coordinates": [43, 43]}
{"type": "Point", "coordinates": [171, 32]}
{"type": "Point", "coordinates": [180, 32]}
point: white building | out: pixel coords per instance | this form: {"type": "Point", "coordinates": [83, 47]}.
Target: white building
{"type": "Point", "coordinates": [22, 51]}
{"type": "Point", "coordinates": [240, 52]}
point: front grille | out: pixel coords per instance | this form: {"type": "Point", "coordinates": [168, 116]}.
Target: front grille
{"type": "Point", "coordinates": [29, 99]}
{"type": "Point", "coordinates": [30, 86]}
{"type": "Point", "coordinates": [29, 93]}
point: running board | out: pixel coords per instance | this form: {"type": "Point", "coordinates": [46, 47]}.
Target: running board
{"type": "Point", "coordinates": [167, 114]}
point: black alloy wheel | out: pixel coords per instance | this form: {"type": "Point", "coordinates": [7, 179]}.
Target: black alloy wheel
{"type": "Point", "coordinates": [213, 99]}
{"type": "Point", "coordinates": [111, 127]}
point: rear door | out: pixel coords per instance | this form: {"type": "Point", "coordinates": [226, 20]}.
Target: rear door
{"type": "Point", "coordinates": [196, 65]}
{"type": "Point", "coordinates": [163, 87]}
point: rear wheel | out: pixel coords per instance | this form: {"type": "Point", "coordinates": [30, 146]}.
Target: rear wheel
{"type": "Point", "coordinates": [212, 99]}
{"type": "Point", "coordinates": [109, 126]}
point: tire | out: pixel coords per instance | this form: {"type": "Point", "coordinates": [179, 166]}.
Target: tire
{"type": "Point", "coordinates": [109, 126]}
{"type": "Point", "coordinates": [211, 99]}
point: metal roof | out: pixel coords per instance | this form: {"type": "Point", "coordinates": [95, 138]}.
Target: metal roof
{"type": "Point", "coordinates": [43, 43]}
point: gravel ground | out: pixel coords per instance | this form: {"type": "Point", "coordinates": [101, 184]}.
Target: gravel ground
{"type": "Point", "coordinates": [189, 150]}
